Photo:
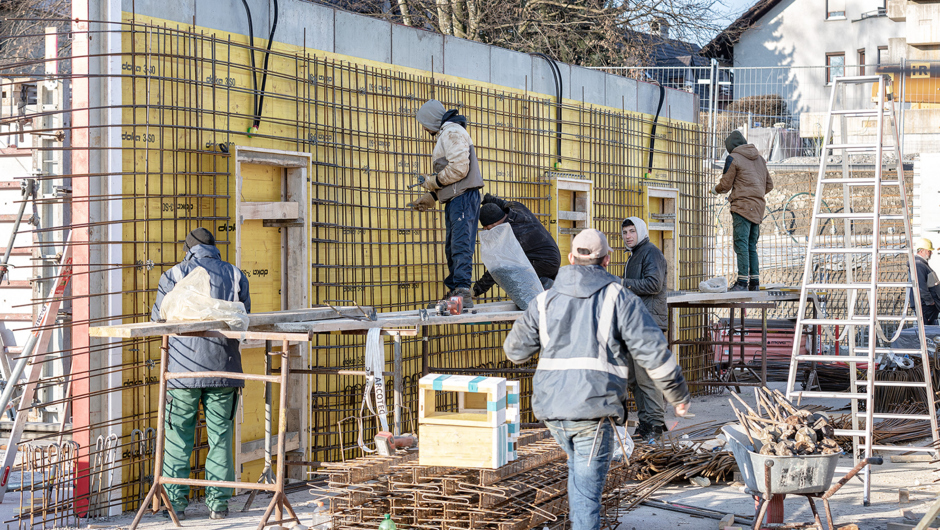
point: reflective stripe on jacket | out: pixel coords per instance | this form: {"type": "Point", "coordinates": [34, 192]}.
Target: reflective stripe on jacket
{"type": "Point", "coordinates": [583, 329]}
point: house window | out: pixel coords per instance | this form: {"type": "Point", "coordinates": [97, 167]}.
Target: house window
{"type": "Point", "coordinates": [882, 55]}
{"type": "Point", "coordinates": [861, 62]}
{"type": "Point", "coordinates": [835, 66]}
{"type": "Point", "coordinates": [835, 9]}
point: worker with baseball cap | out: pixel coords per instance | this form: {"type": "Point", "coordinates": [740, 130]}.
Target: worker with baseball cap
{"type": "Point", "coordinates": [585, 329]}
{"type": "Point", "coordinates": [927, 282]}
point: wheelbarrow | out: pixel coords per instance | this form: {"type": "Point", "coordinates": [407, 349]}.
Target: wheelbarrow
{"type": "Point", "coordinates": [766, 477]}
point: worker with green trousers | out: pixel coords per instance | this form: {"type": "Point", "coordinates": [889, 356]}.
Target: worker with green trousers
{"type": "Point", "coordinates": [745, 175]}
{"type": "Point", "coordinates": [219, 396]}
{"type": "Point", "coordinates": [456, 182]}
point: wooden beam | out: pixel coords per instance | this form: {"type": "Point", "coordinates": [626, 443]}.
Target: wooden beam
{"type": "Point", "coordinates": [738, 296]}
{"type": "Point", "coordinates": [400, 321]}
{"type": "Point", "coordinates": [572, 216]}
{"type": "Point", "coordinates": [271, 158]}
{"type": "Point", "coordinates": [254, 450]}
{"type": "Point", "coordinates": [269, 210]}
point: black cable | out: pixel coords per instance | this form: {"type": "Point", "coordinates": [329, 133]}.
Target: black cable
{"type": "Point", "coordinates": [559, 85]}
{"type": "Point", "coordinates": [251, 52]}
{"type": "Point", "coordinates": [662, 97]}
{"type": "Point", "coordinates": [264, 78]}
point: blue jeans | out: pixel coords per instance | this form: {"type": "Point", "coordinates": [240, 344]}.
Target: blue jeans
{"type": "Point", "coordinates": [746, 235]}
{"type": "Point", "coordinates": [461, 216]}
{"type": "Point", "coordinates": [585, 481]}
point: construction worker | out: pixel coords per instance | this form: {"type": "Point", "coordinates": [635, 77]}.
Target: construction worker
{"type": "Point", "coordinates": [645, 276]}
{"type": "Point", "coordinates": [587, 326]}
{"type": "Point", "coordinates": [456, 182]}
{"type": "Point", "coordinates": [219, 396]}
{"type": "Point", "coordinates": [927, 282]}
{"type": "Point", "coordinates": [534, 239]}
{"type": "Point", "coordinates": [745, 175]}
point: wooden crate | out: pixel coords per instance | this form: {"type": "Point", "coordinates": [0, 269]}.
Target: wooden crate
{"type": "Point", "coordinates": [481, 401]}
{"type": "Point", "coordinates": [462, 446]}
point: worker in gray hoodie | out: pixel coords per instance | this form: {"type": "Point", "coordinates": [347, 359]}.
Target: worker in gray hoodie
{"type": "Point", "coordinates": [456, 182]}
{"type": "Point", "coordinates": [746, 177]}
{"type": "Point", "coordinates": [645, 276]}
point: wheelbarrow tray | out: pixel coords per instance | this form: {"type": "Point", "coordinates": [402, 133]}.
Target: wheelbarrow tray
{"type": "Point", "coordinates": [789, 474]}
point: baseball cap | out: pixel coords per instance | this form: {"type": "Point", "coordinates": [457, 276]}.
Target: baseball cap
{"type": "Point", "coordinates": [592, 240]}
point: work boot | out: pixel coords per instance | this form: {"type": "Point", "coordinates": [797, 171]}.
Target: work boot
{"type": "Point", "coordinates": [753, 284]}
{"type": "Point", "coordinates": [740, 285]}
{"type": "Point", "coordinates": [180, 514]}
{"type": "Point", "coordinates": [221, 514]}
{"type": "Point", "coordinates": [648, 433]}
{"type": "Point", "coordinates": [464, 293]}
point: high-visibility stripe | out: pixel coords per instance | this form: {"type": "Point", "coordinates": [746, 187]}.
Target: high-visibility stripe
{"type": "Point", "coordinates": [665, 370]}
{"type": "Point", "coordinates": [583, 363]}
{"type": "Point", "coordinates": [543, 319]}
{"type": "Point", "coordinates": [606, 319]}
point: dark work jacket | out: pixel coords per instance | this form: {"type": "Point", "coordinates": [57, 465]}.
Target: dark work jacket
{"type": "Point", "coordinates": [585, 329]}
{"type": "Point", "coordinates": [645, 276]}
{"type": "Point", "coordinates": [929, 294]}
{"type": "Point", "coordinates": [534, 239]}
{"type": "Point", "coordinates": [203, 354]}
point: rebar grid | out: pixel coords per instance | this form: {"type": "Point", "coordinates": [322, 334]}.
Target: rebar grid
{"type": "Point", "coordinates": [184, 104]}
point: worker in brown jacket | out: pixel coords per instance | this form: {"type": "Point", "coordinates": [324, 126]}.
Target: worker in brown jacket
{"type": "Point", "coordinates": [746, 177]}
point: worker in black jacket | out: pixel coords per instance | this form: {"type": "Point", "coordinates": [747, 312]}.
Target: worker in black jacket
{"type": "Point", "coordinates": [645, 276]}
{"type": "Point", "coordinates": [927, 282]}
{"type": "Point", "coordinates": [534, 239]}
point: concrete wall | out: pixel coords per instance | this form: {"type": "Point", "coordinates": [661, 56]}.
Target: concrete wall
{"type": "Point", "coordinates": [332, 30]}
{"type": "Point", "coordinates": [796, 33]}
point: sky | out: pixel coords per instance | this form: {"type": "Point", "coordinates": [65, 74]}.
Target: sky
{"type": "Point", "coordinates": [733, 9]}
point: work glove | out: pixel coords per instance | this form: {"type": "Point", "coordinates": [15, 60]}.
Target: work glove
{"type": "Point", "coordinates": [429, 182]}
{"type": "Point", "coordinates": [713, 190]}
{"type": "Point", "coordinates": [488, 198]}
{"type": "Point", "coordinates": [423, 204]}
{"type": "Point", "coordinates": [476, 290]}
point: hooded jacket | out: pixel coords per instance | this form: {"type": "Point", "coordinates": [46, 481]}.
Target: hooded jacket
{"type": "Point", "coordinates": [745, 175]}
{"type": "Point", "coordinates": [927, 282]}
{"type": "Point", "coordinates": [462, 171]}
{"type": "Point", "coordinates": [204, 354]}
{"type": "Point", "coordinates": [645, 273]}
{"type": "Point", "coordinates": [534, 239]}
{"type": "Point", "coordinates": [585, 328]}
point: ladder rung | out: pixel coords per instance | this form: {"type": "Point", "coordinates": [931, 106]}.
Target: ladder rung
{"type": "Point", "coordinates": [851, 112]}
{"type": "Point", "coordinates": [832, 358]}
{"type": "Point", "coordinates": [895, 351]}
{"type": "Point", "coordinates": [856, 250]}
{"type": "Point", "coordinates": [830, 395]}
{"type": "Point", "coordinates": [902, 448]}
{"type": "Point", "coordinates": [888, 416]}
{"type": "Point", "coordinates": [853, 147]}
{"type": "Point", "coordinates": [894, 285]}
{"type": "Point", "coordinates": [859, 216]}
{"type": "Point", "coordinates": [904, 384]}
{"type": "Point", "coordinates": [850, 432]}
{"type": "Point", "coordinates": [858, 181]}
{"type": "Point", "coordinates": [834, 322]}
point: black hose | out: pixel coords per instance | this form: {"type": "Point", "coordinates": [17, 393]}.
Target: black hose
{"type": "Point", "coordinates": [264, 78]}
{"type": "Point", "coordinates": [556, 74]}
{"type": "Point", "coordinates": [251, 52]}
{"type": "Point", "coordinates": [662, 97]}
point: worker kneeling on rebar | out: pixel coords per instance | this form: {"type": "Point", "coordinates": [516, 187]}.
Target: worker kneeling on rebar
{"type": "Point", "coordinates": [219, 397]}
{"type": "Point", "coordinates": [538, 245]}
{"type": "Point", "coordinates": [456, 182]}
{"type": "Point", "coordinates": [585, 329]}
{"type": "Point", "coordinates": [745, 175]}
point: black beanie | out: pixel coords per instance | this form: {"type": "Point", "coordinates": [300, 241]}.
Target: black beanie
{"type": "Point", "coordinates": [199, 236]}
{"type": "Point", "coordinates": [491, 214]}
{"type": "Point", "coordinates": [734, 140]}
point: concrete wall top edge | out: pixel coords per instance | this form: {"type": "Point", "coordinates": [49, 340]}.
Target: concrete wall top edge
{"type": "Point", "coordinates": [319, 27]}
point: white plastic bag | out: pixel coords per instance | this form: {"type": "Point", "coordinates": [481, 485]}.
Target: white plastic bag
{"type": "Point", "coordinates": [190, 300]}
{"type": "Point", "coordinates": [627, 444]}
{"type": "Point", "coordinates": [714, 285]}
{"type": "Point", "coordinates": [507, 263]}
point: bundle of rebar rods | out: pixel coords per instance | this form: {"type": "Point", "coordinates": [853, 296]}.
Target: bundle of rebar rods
{"type": "Point", "coordinates": [786, 430]}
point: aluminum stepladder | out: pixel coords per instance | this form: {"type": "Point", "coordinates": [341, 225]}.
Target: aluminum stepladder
{"type": "Point", "coordinates": [869, 236]}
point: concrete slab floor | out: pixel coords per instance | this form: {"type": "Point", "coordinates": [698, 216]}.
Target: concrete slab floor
{"type": "Point", "coordinates": [846, 504]}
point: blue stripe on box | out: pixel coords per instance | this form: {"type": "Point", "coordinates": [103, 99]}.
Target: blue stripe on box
{"type": "Point", "coordinates": [474, 382]}
{"type": "Point", "coordinates": [513, 428]}
{"type": "Point", "coordinates": [493, 406]}
{"type": "Point", "coordinates": [513, 399]}
{"type": "Point", "coordinates": [438, 383]}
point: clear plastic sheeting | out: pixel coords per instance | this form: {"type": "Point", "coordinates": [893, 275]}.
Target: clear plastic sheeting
{"type": "Point", "coordinates": [508, 264]}
{"type": "Point", "coordinates": [190, 300]}
{"type": "Point", "coordinates": [714, 285]}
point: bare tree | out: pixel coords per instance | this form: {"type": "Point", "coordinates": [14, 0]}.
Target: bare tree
{"type": "Point", "coordinates": [584, 32]}
{"type": "Point", "coordinates": [22, 34]}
